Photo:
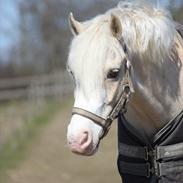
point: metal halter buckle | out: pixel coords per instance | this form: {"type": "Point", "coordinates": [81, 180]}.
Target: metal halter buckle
{"type": "Point", "coordinates": [149, 170]}
{"type": "Point", "coordinates": [152, 164]}
{"type": "Point", "coordinates": [149, 154]}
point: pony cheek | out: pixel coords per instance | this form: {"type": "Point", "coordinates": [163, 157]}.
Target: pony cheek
{"type": "Point", "coordinates": [110, 92]}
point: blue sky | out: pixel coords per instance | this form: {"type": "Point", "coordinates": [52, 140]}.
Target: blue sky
{"type": "Point", "coordinates": [9, 21]}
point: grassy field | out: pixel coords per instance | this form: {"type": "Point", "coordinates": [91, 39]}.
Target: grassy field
{"type": "Point", "coordinates": [43, 156]}
{"type": "Point", "coordinates": [17, 145]}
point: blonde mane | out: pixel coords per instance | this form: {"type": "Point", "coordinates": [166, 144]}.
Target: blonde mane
{"type": "Point", "coordinates": [148, 32]}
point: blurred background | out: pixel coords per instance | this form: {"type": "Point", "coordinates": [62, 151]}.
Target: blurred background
{"type": "Point", "coordinates": [36, 93]}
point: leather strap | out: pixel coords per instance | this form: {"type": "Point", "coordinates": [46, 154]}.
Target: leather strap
{"type": "Point", "coordinates": [145, 169]}
{"type": "Point", "coordinates": [169, 151]}
{"type": "Point", "coordinates": [166, 168]}
{"type": "Point", "coordinates": [160, 161]}
{"type": "Point", "coordinates": [97, 119]}
{"type": "Point", "coordinates": [160, 152]}
{"type": "Point", "coordinates": [139, 169]}
{"type": "Point", "coordinates": [104, 123]}
{"type": "Point", "coordinates": [133, 151]}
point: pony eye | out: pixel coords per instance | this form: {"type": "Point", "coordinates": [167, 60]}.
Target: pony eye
{"type": "Point", "coordinates": [113, 74]}
{"type": "Point", "coordinates": [71, 73]}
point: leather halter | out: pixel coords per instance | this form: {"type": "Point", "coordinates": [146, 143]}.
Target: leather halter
{"type": "Point", "coordinates": [120, 106]}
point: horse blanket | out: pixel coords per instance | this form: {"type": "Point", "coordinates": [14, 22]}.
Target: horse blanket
{"type": "Point", "coordinates": [159, 160]}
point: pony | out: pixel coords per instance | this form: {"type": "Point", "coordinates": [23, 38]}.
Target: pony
{"type": "Point", "coordinates": [134, 40]}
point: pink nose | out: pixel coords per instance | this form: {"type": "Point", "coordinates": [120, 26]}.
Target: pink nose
{"type": "Point", "coordinates": [82, 144]}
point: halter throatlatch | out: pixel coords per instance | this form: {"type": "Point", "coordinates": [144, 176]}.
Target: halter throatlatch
{"type": "Point", "coordinates": [126, 89]}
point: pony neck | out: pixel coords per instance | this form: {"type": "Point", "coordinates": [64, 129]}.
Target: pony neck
{"type": "Point", "coordinates": [158, 93]}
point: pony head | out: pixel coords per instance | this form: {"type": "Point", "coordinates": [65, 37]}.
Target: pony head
{"type": "Point", "coordinates": [96, 62]}
{"type": "Point", "coordinates": [99, 55]}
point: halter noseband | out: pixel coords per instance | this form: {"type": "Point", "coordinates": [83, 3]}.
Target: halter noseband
{"type": "Point", "coordinates": [119, 107]}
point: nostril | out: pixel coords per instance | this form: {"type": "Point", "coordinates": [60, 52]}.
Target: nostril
{"type": "Point", "coordinates": [81, 143]}
{"type": "Point", "coordinates": [84, 138]}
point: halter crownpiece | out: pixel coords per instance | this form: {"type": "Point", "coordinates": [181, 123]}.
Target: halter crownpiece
{"type": "Point", "coordinates": [119, 107]}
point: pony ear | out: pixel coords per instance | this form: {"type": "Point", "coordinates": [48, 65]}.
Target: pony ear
{"type": "Point", "coordinates": [116, 27]}
{"type": "Point", "coordinates": [75, 26]}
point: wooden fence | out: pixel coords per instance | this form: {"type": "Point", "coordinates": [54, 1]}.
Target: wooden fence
{"type": "Point", "coordinates": [16, 115]}
{"type": "Point", "coordinates": [55, 84]}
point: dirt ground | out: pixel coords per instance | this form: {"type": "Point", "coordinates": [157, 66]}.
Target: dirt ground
{"type": "Point", "coordinates": [50, 161]}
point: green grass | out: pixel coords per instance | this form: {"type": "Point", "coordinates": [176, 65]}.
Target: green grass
{"type": "Point", "coordinates": [17, 148]}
